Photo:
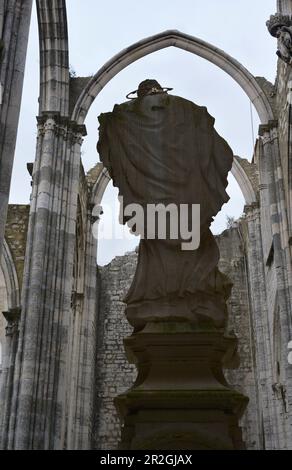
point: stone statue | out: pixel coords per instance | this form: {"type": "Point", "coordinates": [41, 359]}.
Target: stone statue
{"type": "Point", "coordinates": [163, 149]}
{"type": "Point", "coordinates": [280, 27]}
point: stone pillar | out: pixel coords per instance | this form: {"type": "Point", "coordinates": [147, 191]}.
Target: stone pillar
{"type": "Point", "coordinates": [261, 329]}
{"type": "Point", "coordinates": [180, 399]}
{"type": "Point", "coordinates": [284, 7]}
{"type": "Point", "coordinates": [89, 338]}
{"type": "Point", "coordinates": [73, 426]}
{"type": "Point", "coordinates": [82, 355]}
{"type": "Point", "coordinates": [12, 316]}
{"type": "Point", "coordinates": [37, 412]}
{"type": "Point", "coordinates": [14, 28]}
{"type": "Point", "coordinates": [281, 252]}
{"type": "Point", "coordinates": [285, 293]}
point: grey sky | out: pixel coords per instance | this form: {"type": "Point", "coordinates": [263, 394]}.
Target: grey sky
{"type": "Point", "coordinates": [98, 30]}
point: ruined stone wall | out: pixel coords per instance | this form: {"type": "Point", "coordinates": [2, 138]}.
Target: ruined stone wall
{"type": "Point", "coordinates": [233, 264]}
{"type": "Point", "coordinates": [15, 235]}
{"type": "Point", "coordinates": [115, 374]}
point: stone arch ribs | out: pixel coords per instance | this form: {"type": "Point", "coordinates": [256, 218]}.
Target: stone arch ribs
{"type": "Point", "coordinates": [183, 41]}
{"type": "Point", "coordinates": [54, 56]}
{"type": "Point", "coordinates": [243, 181]}
{"type": "Point", "coordinates": [100, 186]}
{"type": "Point", "coordinates": [10, 276]}
{"type": "Point", "coordinates": [14, 29]}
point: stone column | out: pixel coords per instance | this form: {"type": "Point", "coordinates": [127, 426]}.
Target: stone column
{"type": "Point", "coordinates": [37, 413]}
{"type": "Point", "coordinates": [12, 316]}
{"type": "Point", "coordinates": [81, 384]}
{"type": "Point", "coordinates": [279, 223]}
{"type": "Point", "coordinates": [89, 329]}
{"type": "Point", "coordinates": [285, 316]}
{"type": "Point", "coordinates": [281, 252]}
{"type": "Point", "coordinates": [14, 28]}
{"type": "Point", "coordinates": [261, 328]}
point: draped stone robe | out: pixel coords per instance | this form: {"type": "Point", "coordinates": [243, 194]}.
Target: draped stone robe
{"type": "Point", "coordinates": [164, 149]}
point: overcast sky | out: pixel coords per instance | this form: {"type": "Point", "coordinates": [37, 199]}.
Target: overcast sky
{"type": "Point", "coordinates": [98, 30]}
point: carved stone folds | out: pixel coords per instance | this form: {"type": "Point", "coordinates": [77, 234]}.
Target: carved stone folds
{"type": "Point", "coordinates": [12, 317]}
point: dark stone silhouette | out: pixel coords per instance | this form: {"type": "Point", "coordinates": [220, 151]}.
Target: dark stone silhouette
{"type": "Point", "coordinates": [164, 149]}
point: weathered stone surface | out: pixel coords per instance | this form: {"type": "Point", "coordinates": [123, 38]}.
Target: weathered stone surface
{"type": "Point", "coordinates": [180, 399]}
{"type": "Point", "coordinates": [16, 234]}
{"type": "Point", "coordinates": [280, 26]}
{"type": "Point", "coordinates": [141, 146]}
{"type": "Point", "coordinates": [61, 299]}
{"type": "Point", "coordinates": [14, 29]}
{"type": "Point", "coordinates": [114, 373]}
{"type": "Point", "coordinates": [76, 87]}
{"type": "Point", "coordinates": [114, 281]}
{"type": "Point", "coordinates": [234, 264]}
{"type": "Point", "coordinates": [11, 273]}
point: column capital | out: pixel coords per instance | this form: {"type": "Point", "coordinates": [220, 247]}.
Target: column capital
{"type": "Point", "coordinates": [63, 121]}
{"type": "Point", "coordinates": [276, 22]}
{"type": "Point", "coordinates": [263, 128]}
{"type": "Point", "coordinates": [252, 211]}
{"type": "Point", "coordinates": [94, 211]}
{"type": "Point", "coordinates": [12, 316]}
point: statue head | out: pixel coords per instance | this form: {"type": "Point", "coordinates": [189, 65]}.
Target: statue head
{"type": "Point", "coordinates": [148, 87]}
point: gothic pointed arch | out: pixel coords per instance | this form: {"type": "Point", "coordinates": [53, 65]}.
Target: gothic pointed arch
{"type": "Point", "coordinates": [182, 41]}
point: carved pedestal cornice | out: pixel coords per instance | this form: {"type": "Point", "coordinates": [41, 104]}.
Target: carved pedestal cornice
{"type": "Point", "coordinates": [181, 399]}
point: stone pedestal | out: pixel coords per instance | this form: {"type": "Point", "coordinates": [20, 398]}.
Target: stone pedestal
{"type": "Point", "coordinates": [180, 399]}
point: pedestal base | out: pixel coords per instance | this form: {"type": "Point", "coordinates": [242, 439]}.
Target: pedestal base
{"type": "Point", "coordinates": [180, 399]}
